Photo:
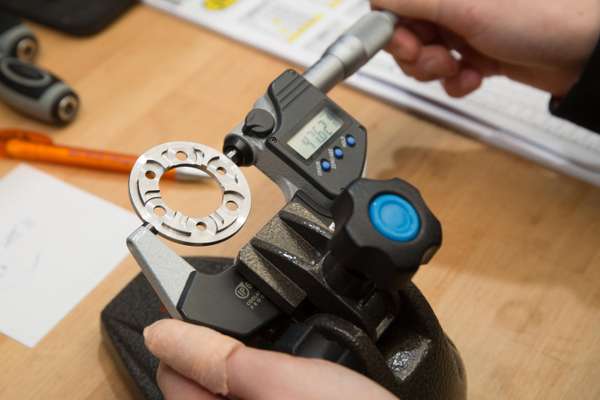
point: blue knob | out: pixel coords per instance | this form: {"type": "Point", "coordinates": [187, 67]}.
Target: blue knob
{"type": "Point", "coordinates": [394, 218]}
{"type": "Point", "coordinates": [384, 231]}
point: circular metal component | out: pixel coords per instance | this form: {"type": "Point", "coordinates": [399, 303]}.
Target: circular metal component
{"type": "Point", "coordinates": [146, 199]}
{"type": "Point", "coordinates": [27, 49]}
{"type": "Point", "coordinates": [67, 108]}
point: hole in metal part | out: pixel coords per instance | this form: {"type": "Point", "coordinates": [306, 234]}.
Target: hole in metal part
{"type": "Point", "coordinates": [195, 199]}
{"type": "Point", "coordinates": [159, 211]}
{"type": "Point", "coordinates": [201, 226]}
{"type": "Point", "coordinates": [232, 205]}
{"type": "Point", "coordinates": [150, 175]}
{"type": "Point", "coordinates": [221, 171]}
{"type": "Point", "coordinates": [181, 155]}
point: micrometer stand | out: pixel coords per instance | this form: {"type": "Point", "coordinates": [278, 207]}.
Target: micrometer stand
{"type": "Point", "coordinates": [427, 359]}
{"type": "Point", "coordinates": [413, 357]}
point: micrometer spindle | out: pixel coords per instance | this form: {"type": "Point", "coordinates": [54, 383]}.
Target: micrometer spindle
{"type": "Point", "coordinates": [352, 50]}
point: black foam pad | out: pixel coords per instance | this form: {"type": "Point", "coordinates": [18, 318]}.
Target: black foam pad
{"type": "Point", "coordinates": [76, 17]}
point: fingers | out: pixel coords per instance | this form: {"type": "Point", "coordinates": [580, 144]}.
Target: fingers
{"type": "Point", "coordinates": [425, 53]}
{"type": "Point", "coordinates": [427, 32]}
{"type": "Point", "coordinates": [176, 387]}
{"type": "Point", "coordinates": [465, 82]}
{"type": "Point", "coordinates": [474, 59]}
{"type": "Point", "coordinates": [434, 62]}
{"type": "Point", "coordinates": [197, 353]}
{"type": "Point", "coordinates": [404, 45]}
{"type": "Point", "coordinates": [420, 9]}
{"type": "Point", "coordinates": [250, 374]}
{"type": "Point", "coordinates": [409, 37]}
{"type": "Point", "coordinates": [424, 63]}
{"type": "Point", "coordinates": [293, 378]}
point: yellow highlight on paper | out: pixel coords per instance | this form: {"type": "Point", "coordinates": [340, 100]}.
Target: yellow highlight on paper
{"type": "Point", "coordinates": [218, 4]}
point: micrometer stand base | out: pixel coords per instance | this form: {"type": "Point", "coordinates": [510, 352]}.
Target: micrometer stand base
{"type": "Point", "coordinates": [426, 364]}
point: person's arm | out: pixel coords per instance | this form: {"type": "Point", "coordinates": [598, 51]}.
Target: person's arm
{"type": "Point", "coordinates": [582, 104]}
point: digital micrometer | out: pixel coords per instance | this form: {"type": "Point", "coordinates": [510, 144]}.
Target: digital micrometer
{"type": "Point", "coordinates": [329, 275]}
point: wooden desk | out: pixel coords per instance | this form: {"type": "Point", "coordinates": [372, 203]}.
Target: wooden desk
{"type": "Point", "coordinates": [516, 285]}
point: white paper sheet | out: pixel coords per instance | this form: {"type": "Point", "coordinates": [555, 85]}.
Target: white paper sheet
{"type": "Point", "coordinates": [56, 244]}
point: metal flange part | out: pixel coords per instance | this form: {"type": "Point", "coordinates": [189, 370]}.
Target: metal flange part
{"type": "Point", "coordinates": [145, 196]}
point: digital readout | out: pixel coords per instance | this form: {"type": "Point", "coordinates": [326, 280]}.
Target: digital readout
{"type": "Point", "coordinates": [314, 134]}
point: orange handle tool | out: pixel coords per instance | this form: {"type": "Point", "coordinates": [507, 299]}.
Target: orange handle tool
{"type": "Point", "coordinates": [72, 156]}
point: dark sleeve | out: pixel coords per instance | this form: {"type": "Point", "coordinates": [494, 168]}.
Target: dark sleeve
{"type": "Point", "coordinates": [582, 104]}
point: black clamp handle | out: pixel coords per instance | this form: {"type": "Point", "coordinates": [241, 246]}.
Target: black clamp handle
{"type": "Point", "coordinates": [384, 231]}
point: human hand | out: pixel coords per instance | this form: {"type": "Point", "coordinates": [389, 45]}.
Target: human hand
{"type": "Point", "coordinates": [200, 364]}
{"type": "Point", "coordinates": [541, 43]}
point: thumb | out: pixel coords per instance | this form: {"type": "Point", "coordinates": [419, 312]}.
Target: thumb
{"type": "Point", "coordinates": [427, 10]}
{"type": "Point", "coordinates": [224, 366]}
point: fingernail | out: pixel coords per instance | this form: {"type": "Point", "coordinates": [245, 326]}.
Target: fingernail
{"type": "Point", "coordinates": [430, 67]}
{"type": "Point", "coordinates": [148, 332]}
{"type": "Point", "coordinates": [470, 80]}
{"type": "Point", "coordinates": [404, 53]}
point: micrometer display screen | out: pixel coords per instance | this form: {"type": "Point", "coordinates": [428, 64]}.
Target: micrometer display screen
{"type": "Point", "coordinates": [314, 134]}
